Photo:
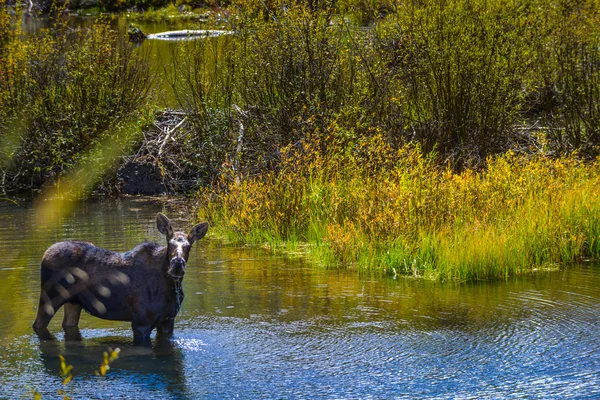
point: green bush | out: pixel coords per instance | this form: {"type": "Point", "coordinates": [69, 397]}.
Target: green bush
{"type": "Point", "coordinates": [71, 91]}
{"type": "Point", "coordinates": [463, 71]}
{"type": "Point", "coordinates": [288, 76]}
{"type": "Point", "coordinates": [467, 78]}
{"type": "Point", "coordinates": [571, 81]}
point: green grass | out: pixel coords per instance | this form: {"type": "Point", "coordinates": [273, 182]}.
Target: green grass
{"type": "Point", "coordinates": [403, 213]}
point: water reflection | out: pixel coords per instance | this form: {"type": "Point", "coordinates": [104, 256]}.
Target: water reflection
{"type": "Point", "coordinates": [255, 325]}
{"type": "Point", "coordinates": [158, 368]}
{"type": "Point", "coordinates": [163, 55]}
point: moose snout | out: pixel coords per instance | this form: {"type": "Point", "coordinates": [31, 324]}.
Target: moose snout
{"type": "Point", "coordinates": [177, 267]}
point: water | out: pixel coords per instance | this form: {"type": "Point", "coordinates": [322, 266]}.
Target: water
{"type": "Point", "coordinates": [254, 325]}
{"type": "Point", "coordinates": [167, 58]}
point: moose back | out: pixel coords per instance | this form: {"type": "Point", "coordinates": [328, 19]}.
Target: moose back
{"type": "Point", "coordinates": [142, 285]}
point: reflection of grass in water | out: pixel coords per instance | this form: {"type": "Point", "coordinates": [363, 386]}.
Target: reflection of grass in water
{"type": "Point", "coordinates": [169, 13]}
{"type": "Point", "coordinates": [66, 372]}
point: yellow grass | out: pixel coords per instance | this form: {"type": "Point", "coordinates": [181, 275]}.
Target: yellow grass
{"type": "Point", "coordinates": [367, 205]}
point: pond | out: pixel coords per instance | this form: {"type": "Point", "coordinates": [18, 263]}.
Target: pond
{"type": "Point", "coordinates": [165, 57]}
{"type": "Point", "coordinates": [257, 325]}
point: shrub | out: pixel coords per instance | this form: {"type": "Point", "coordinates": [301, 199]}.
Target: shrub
{"type": "Point", "coordinates": [288, 76]}
{"type": "Point", "coordinates": [571, 81]}
{"type": "Point", "coordinates": [73, 90]}
{"type": "Point", "coordinates": [462, 69]}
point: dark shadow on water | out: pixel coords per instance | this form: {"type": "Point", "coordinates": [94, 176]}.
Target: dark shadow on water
{"type": "Point", "coordinates": [157, 367]}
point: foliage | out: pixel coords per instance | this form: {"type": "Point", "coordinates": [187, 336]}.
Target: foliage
{"type": "Point", "coordinates": [572, 83]}
{"type": "Point", "coordinates": [367, 11]}
{"type": "Point", "coordinates": [108, 357]}
{"type": "Point", "coordinates": [369, 205]}
{"type": "Point", "coordinates": [462, 69]}
{"type": "Point", "coordinates": [391, 145]}
{"type": "Point", "coordinates": [200, 80]}
{"type": "Point", "coordinates": [421, 145]}
{"type": "Point", "coordinates": [64, 93]}
{"type": "Point", "coordinates": [66, 375]}
{"type": "Point", "coordinates": [279, 80]}
{"type": "Point", "coordinates": [66, 372]}
{"type": "Point", "coordinates": [468, 78]}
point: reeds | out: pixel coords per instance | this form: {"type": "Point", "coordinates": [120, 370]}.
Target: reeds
{"type": "Point", "coordinates": [370, 206]}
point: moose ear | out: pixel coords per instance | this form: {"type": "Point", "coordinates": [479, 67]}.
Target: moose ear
{"type": "Point", "coordinates": [198, 232]}
{"type": "Point", "coordinates": [164, 225]}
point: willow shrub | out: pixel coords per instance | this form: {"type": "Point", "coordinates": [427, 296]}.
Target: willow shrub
{"type": "Point", "coordinates": [290, 75]}
{"type": "Point", "coordinates": [453, 76]}
{"type": "Point", "coordinates": [370, 206]}
{"type": "Point", "coordinates": [67, 92]}
{"type": "Point", "coordinates": [571, 108]}
{"type": "Point", "coordinates": [295, 74]}
{"type": "Point", "coordinates": [463, 69]}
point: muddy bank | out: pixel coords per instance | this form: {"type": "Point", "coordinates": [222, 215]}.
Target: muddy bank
{"type": "Point", "coordinates": [168, 159]}
{"type": "Point", "coordinates": [141, 178]}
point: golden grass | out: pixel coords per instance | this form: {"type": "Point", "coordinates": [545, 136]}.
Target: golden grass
{"type": "Point", "coordinates": [367, 205]}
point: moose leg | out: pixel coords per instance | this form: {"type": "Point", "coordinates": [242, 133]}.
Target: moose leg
{"type": "Point", "coordinates": [141, 332]}
{"type": "Point", "coordinates": [45, 312]}
{"type": "Point", "coordinates": [72, 314]}
{"type": "Point", "coordinates": [56, 291]}
{"type": "Point", "coordinates": [165, 327]}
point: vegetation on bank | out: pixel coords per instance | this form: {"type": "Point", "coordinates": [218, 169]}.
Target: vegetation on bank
{"type": "Point", "coordinates": [449, 139]}
{"type": "Point", "coordinates": [63, 93]}
{"type": "Point", "coordinates": [370, 206]}
{"type": "Point", "coordinates": [453, 140]}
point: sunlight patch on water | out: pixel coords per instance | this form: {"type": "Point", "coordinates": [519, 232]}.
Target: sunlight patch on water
{"type": "Point", "coordinates": [190, 344]}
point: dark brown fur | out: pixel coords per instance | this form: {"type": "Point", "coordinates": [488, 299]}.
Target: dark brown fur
{"type": "Point", "coordinates": [142, 285]}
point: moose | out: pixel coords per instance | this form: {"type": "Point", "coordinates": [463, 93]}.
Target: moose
{"type": "Point", "coordinates": [142, 285]}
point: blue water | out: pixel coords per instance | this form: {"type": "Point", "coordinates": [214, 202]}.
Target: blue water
{"type": "Point", "coordinates": [254, 325]}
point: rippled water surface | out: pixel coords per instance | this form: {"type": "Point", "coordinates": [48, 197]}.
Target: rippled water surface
{"type": "Point", "coordinates": [254, 325]}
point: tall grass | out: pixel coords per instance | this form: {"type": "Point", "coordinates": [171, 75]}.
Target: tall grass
{"type": "Point", "coordinates": [370, 206]}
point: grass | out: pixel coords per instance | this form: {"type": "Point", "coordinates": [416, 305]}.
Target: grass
{"type": "Point", "coordinates": [373, 207]}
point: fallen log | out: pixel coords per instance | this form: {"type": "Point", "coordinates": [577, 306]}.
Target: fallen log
{"type": "Point", "coordinates": [136, 35]}
{"type": "Point", "coordinates": [187, 34]}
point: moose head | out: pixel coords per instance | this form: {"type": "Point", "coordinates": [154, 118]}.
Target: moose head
{"type": "Point", "coordinates": [179, 244]}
